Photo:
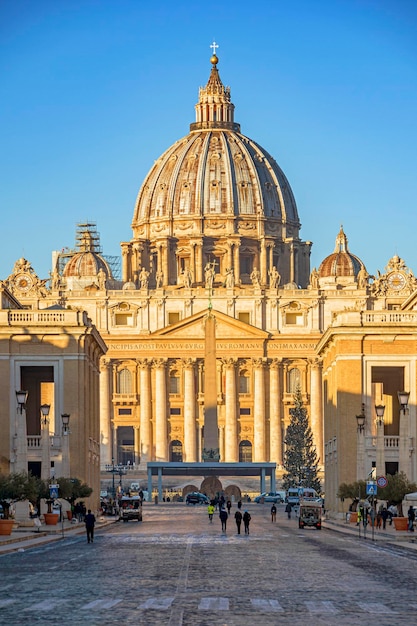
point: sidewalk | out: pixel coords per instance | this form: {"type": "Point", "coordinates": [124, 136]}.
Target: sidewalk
{"type": "Point", "coordinates": [389, 535]}
{"type": "Point", "coordinates": [28, 537]}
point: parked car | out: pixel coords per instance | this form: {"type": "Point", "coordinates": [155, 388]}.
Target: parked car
{"type": "Point", "coordinates": [270, 496]}
{"type": "Point", "coordinates": [195, 497]}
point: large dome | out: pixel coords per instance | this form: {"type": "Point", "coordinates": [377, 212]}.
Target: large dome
{"type": "Point", "coordinates": [215, 171]}
{"type": "Point", "coordinates": [216, 196]}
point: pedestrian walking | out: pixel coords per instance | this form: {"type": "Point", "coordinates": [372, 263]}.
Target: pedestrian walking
{"type": "Point", "coordinates": [288, 510]}
{"type": "Point", "coordinates": [229, 506]}
{"type": "Point", "coordinates": [411, 517]}
{"type": "Point", "coordinates": [223, 518]}
{"type": "Point", "coordinates": [238, 519]}
{"type": "Point", "coordinates": [273, 513]}
{"type": "Point", "coordinates": [385, 516]}
{"type": "Point", "coordinates": [90, 521]}
{"type": "Point", "coordinates": [246, 520]}
{"type": "Point", "coordinates": [210, 511]}
{"type": "Point", "coordinates": [239, 504]}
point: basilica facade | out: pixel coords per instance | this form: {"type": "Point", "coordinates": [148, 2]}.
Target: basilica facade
{"type": "Point", "coordinates": [216, 235]}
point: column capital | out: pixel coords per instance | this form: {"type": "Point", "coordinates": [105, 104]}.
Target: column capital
{"type": "Point", "coordinates": [144, 364]}
{"type": "Point", "coordinates": [188, 363]}
{"type": "Point", "coordinates": [104, 364]}
{"type": "Point", "coordinates": [275, 363]}
{"type": "Point", "coordinates": [160, 363]}
{"type": "Point", "coordinates": [229, 362]}
{"type": "Point", "coordinates": [259, 363]}
{"type": "Point", "coordinates": [315, 362]}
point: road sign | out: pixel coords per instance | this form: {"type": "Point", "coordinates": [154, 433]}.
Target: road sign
{"type": "Point", "coordinates": [371, 488]}
{"type": "Point", "coordinates": [53, 491]}
{"type": "Point", "coordinates": [381, 481]}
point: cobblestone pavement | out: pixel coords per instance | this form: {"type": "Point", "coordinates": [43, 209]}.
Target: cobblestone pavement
{"type": "Point", "coordinates": [177, 569]}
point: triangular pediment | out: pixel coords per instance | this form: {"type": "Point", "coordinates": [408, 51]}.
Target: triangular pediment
{"type": "Point", "coordinates": [227, 327]}
{"type": "Point", "coordinates": [410, 304]}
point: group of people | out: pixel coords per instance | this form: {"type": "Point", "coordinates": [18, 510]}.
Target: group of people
{"type": "Point", "coordinates": [224, 514]}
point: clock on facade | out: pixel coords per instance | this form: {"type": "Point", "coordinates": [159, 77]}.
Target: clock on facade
{"type": "Point", "coordinates": [23, 282]}
{"type": "Point", "coordinates": [396, 281]}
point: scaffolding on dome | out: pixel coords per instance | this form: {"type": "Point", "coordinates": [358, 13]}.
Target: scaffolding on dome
{"type": "Point", "coordinates": [87, 238]}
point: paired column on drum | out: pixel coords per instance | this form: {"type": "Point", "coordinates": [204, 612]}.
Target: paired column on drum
{"type": "Point", "coordinates": [145, 411]}
{"type": "Point", "coordinates": [259, 411]}
{"type": "Point", "coordinates": [161, 429]}
{"type": "Point", "coordinates": [231, 447]}
{"type": "Point", "coordinates": [190, 427]}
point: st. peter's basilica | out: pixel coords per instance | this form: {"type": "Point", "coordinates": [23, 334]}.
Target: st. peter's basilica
{"type": "Point", "coordinates": [214, 313]}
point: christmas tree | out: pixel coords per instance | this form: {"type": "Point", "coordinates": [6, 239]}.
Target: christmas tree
{"type": "Point", "coordinates": [300, 459]}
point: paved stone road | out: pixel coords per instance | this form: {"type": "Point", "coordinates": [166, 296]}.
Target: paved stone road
{"type": "Point", "coordinates": [176, 569]}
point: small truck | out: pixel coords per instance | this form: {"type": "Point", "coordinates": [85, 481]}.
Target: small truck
{"type": "Point", "coordinates": [130, 508]}
{"type": "Point", "coordinates": [310, 514]}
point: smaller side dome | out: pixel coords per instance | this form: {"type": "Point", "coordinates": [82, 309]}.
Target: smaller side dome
{"type": "Point", "coordinates": [86, 267]}
{"type": "Point", "coordinates": [341, 264]}
{"type": "Point", "coordinates": [86, 264]}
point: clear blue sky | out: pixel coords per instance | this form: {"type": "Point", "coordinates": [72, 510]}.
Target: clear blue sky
{"type": "Point", "coordinates": [93, 91]}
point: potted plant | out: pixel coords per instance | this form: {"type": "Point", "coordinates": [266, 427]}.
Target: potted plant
{"type": "Point", "coordinates": [398, 485]}
{"type": "Point", "coordinates": [50, 518]}
{"type": "Point", "coordinates": [15, 487]}
{"type": "Point", "coordinates": [71, 489]}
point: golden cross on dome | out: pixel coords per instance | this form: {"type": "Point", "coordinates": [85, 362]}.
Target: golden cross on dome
{"type": "Point", "coordinates": [214, 45]}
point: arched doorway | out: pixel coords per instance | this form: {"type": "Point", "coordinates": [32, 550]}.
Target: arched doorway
{"type": "Point", "coordinates": [175, 453]}
{"type": "Point", "coordinates": [245, 451]}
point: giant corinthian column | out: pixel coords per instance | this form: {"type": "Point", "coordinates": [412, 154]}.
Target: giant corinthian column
{"type": "Point", "coordinates": [259, 411]}
{"type": "Point", "coordinates": [231, 447]}
{"type": "Point", "coordinates": [275, 432]}
{"type": "Point", "coordinates": [161, 427]}
{"type": "Point", "coordinates": [105, 417]}
{"type": "Point", "coordinates": [145, 412]}
{"type": "Point", "coordinates": [317, 408]}
{"type": "Point", "coordinates": [190, 425]}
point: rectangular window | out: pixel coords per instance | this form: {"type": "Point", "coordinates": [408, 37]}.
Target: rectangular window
{"type": "Point", "coordinates": [175, 411]}
{"type": "Point", "coordinates": [174, 384]}
{"type": "Point", "coordinates": [246, 264]}
{"type": "Point", "coordinates": [294, 319]}
{"type": "Point", "coordinates": [243, 384]}
{"type": "Point", "coordinates": [123, 319]}
{"type": "Point", "coordinates": [125, 411]}
{"type": "Point", "coordinates": [244, 411]}
{"type": "Point", "coordinates": [173, 317]}
{"type": "Point", "coordinates": [244, 316]}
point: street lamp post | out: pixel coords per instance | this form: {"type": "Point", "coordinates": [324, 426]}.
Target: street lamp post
{"type": "Point", "coordinates": [21, 440]}
{"type": "Point", "coordinates": [121, 473]}
{"type": "Point", "coordinates": [380, 441]}
{"type": "Point", "coordinates": [404, 433]}
{"type": "Point", "coordinates": [360, 456]}
{"type": "Point", "coordinates": [65, 468]}
{"type": "Point", "coordinates": [45, 443]}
